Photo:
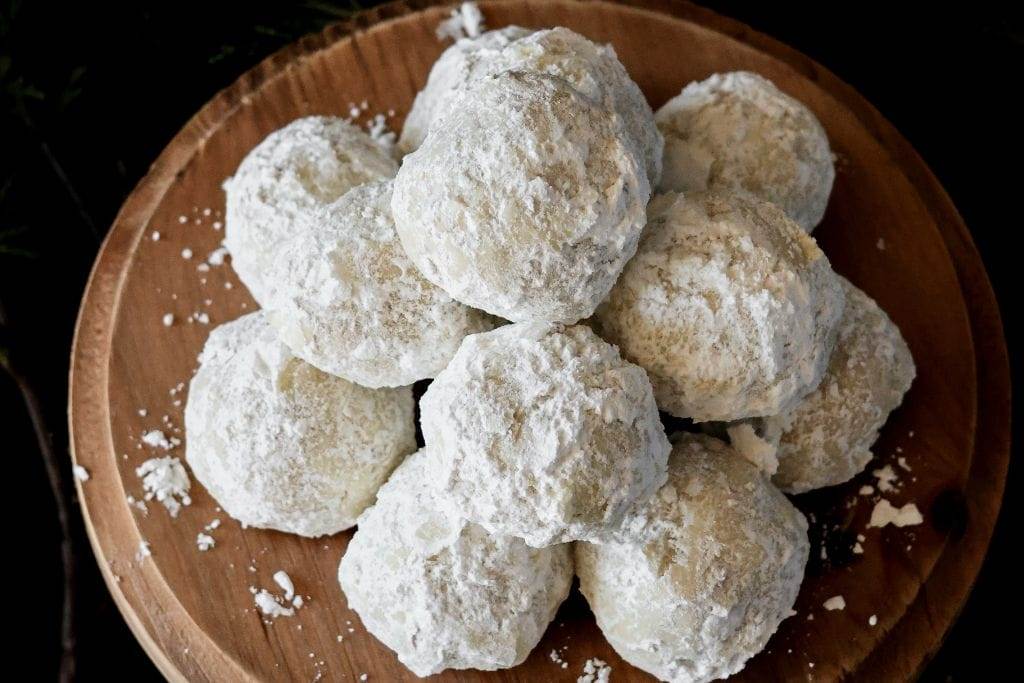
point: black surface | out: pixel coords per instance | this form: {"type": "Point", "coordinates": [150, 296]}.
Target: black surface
{"type": "Point", "coordinates": [91, 95]}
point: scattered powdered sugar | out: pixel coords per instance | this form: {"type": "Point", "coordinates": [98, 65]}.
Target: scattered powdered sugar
{"type": "Point", "coordinates": [157, 439]}
{"type": "Point", "coordinates": [186, 253]}
{"type": "Point", "coordinates": [885, 513]}
{"type": "Point", "coordinates": [143, 551]}
{"type": "Point", "coordinates": [465, 22]}
{"type": "Point", "coordinates": [168, 319]}
{"type": "Point", "coordinates": [137, 504]}
{"type": "Point", "coordinates": [595, 671]}
{"type": "Point", "coordinates": [282, 579]}
{"type": "Point", "coordinates": [836, 602]}
{"type": "Point", "coordinates": [556, 657]}
{"type": "Point", "coordinates": [81, 474]}
{"type": "Point", "coordinates": [270, 605]}
{"type": "Point", "coordinates": [217, 256]}
{"type": "Point", "coordinates": [274, 605]}
{"type": "Point", "coordinates": [873, 620]}
{"type": "Point", "coordinates": [205, 541]}
{"type": "Point", "coordinates": [887, 478]}
{"type": "Point", "coordinates": [166, 480]}
{"type": "Point", "coordinates": [880, 244]}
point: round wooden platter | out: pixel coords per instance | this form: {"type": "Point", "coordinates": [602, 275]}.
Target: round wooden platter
{"type": "Point", "coordinates": [890, 228]}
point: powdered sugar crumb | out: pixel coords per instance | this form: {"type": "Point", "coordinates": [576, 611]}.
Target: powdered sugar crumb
{"type": "Point", "coordinates": [885, 513]}
{"type": "Point", "coordinates": [595, 671]}
{"type": "Point", "coordinates": [465, 22]}
{"type": "Point", "coordinates": [282, 579]}
{"type": "Point", "coordinates": [836, 602]}
{"type": "Point", "coordinates": [166, 480]}
{"type": "Point", "coordinates": [157, 439]}
{"type": "Point", "coordinates": [143, 552]}
{"type": "Point", "coordinates": [81, 474]}
{"type": "Point", "coordinates": [269, 605]}
{"type": "Point", "coordinates": [205, 541]}
{"type": "Point", "coordinates": [887, 478]}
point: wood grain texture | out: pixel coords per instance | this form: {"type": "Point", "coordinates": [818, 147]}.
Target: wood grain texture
{"type": "Point", "coordinates": [193, 611]}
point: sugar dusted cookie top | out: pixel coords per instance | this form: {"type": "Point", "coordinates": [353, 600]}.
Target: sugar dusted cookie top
{"type": "Point", "coordinates": [736, 132]}
{"type": "Point", "coordinates": [543, 432]}
{"type": "Point", "coordinates": [463, 61]}
{"type": "Point", "coordinates": [282, 445]}
{"type": "Point", "coordinates": [591, 68]}
{"type": "Point", "coordinates": [349, 301]}
{"type": "Point", "coordinates": [702, 574]}
{"type": "Point", "coordinates": [285, 179]}
{"type": "Point", "coordinates": [527, 202]}
{"type": "Point", "coordinates": [728, 305]}
{"type": "Point", "coordinates": [442, 592]}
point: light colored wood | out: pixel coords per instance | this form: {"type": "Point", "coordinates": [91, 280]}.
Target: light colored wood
{"type": "Point", "coordinates": [193, 612]}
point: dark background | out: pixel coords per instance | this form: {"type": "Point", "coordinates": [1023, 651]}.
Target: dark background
{"type": "Point", "coordinates": [90, 95]}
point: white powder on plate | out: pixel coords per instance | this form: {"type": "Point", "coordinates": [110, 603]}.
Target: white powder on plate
{"type": "Point", "coordinates": [836, 602]}
{"type": "Point", "coordinates": [156, 439]}
{"type": "Point", "coordinates": [166, 480]}
{"type": "Point", "coordinates": [885, 513]}
{"type": "Point", "coordinates": [282, 579]}
{"type": "Point", "coordinates": [595, 671]}
{"type": "Point", "coordinates": [270, 606]}
{"type": "Point", "coordinates": [143, 551]}
{"type": "Point", "coordinates": [887, 478]}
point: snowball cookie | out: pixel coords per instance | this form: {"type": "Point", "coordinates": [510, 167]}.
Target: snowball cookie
{"type": "Point", "coordinates": [282, 445]}
{"type": "Point", "coordinates": [295, 171]}
{"type": "Point", "coordinates": [463, 61]}
{"type": "Point", "coordinates": [543, 432]}
{"type": "Point", "coordinates": [349, 301]}
{"type": "Point", "coordinates": [526, 202]}
{"type": "Point", "coordinates": [442, 592]}
{"type": "Point", "coordinates": [591, 68]}
{"type": "Point", "coordinates": [826, 439]}
{"type": "Point", "coordinates": [728, 305]}
{"type": "Point", "coordinates": [736, 132]}
{"type": "Point", "coordinates": [703, 573]}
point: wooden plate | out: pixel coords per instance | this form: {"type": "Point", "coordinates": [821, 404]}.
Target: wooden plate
{"type": "Point", "coordinates": [193, 611]}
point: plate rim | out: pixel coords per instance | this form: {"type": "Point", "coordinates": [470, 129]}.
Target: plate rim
{"type": "Point", "coordinates": [88, 404]}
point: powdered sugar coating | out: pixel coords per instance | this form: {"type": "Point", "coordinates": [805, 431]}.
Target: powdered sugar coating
{"type": "Point", "coordinates": [736, 132]}
{"type": "Point", "coordinates": [288, 176]}
{"type": "Point", "coordinates": [282, 445]}
{"type": "Point", "coordinates": [463, 61]}
{"type": "Point", "coordinates": [543, 432]}
{"type": "Point", "coordinates": [826, 439]}
{"type": "Point", "coordinates": [349, 301]}
{"type": "Point", "coordinates": [442, 592]}
{"type": "Point", "coordinates": [702, 574]}
{"type": "Point", "coordinates": [728, 305]}
{"type": "Point", "coordinates": [590, 68]}
{"type": "Point", "coordinates": [526, 202]}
